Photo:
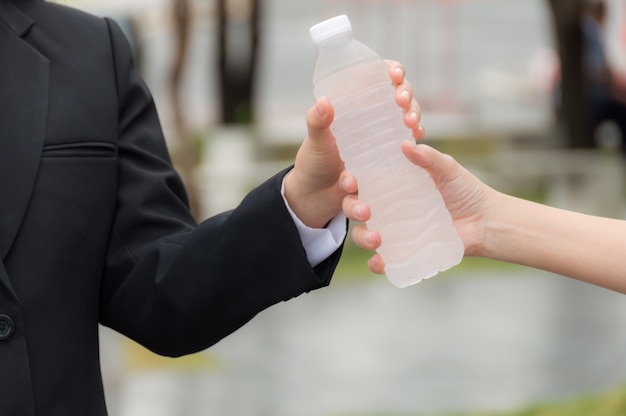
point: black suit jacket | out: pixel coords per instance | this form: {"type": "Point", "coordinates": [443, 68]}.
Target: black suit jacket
{"type": "Point", "coordinates": [94, 225]}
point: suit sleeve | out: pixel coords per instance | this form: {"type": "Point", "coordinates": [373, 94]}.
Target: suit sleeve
{"type": "Point", "coordinates": [174, 286]}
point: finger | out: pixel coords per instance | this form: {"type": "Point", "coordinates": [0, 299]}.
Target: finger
{"type": "Point", "coordinates": [365, 238]}
{"type": "Point", "coordinates": [413, 120]}
{"type": "Point", "coordinates": [404, 96]}
{"type": "Point", "coordinates": [410, 108]}
{"type": "Point", "coordinates": [396, 71]}
{"type": "Point", "coordinates": [318, 120]}
{"type": "Point", "coordinates": [418, 155]}
{"type": "Point", "coordinates": [348, 182]}
{"type": "Point", "coordinates": [420, 133]}
{"type": "Point", "coordinates": [376, 264]}
{"type": "Point", "coordinates": [438, 165]}
{"type": "Point", "coordinates": [354, 209]}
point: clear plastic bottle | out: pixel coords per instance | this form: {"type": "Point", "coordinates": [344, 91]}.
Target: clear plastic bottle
{"type": "Point", "coordinates": [418, 238]}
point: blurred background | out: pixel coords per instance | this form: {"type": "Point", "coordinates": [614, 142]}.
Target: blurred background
{"type": "Point", "coordinates": [529, 95]}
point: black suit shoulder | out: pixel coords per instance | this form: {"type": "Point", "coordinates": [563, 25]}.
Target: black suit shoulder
{"type": "Point", "coordinates": [63, 21]}
{"type": "Point", "coordinates": [67, 33]}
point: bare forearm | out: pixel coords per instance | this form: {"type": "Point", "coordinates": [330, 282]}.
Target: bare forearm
{"type": "Point", "coordinates": [584, 247]}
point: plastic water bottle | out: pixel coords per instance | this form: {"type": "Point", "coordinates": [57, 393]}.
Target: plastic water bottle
{"type": "Point", "coordinates": [418, 238]}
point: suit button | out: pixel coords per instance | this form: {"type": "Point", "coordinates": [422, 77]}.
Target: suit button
{"type": "Point", "coordinates": [6, 327]}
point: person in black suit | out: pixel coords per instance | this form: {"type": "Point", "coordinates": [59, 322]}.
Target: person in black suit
{"type": "Point", "coordinates": [94, 223]}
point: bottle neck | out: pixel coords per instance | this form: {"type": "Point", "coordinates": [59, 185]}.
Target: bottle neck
{"type": "Point", "coordinates": [336, 40]}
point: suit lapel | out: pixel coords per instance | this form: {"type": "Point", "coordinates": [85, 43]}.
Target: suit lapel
{"type": "Point", "coordinates": [23, 112]}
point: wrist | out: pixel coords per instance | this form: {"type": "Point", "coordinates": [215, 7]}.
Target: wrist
{"type": "Point", "coordinates": [314, 207]}
{"type": "Point", "coordinates": [507, 231]}
{"type": "Point", "coordinates": [494, 227]}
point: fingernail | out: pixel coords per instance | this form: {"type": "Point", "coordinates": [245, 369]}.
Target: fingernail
{"type": "Point", "coordinates": [368, 238]}
{"type": "Point", "coordinates": [413, 115]}
{"type": "Point", "coordinates": [345, 183]}
{"type": "Point", "coordinates": [357, 211]}
{"type": "Point", "coordinates": [406, 94]}
{"type": "Point", "coordinates": [399, 71]}
{"type": "Point", "coordinates": [420, 128]}
{"type": "Point", "coordinates": [319, 109]}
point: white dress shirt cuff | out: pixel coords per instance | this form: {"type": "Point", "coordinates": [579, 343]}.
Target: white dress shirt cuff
{"type": "Point", "coordinates": [319, 243]}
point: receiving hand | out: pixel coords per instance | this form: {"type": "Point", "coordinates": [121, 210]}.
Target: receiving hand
{"type": "Point", "coordinates": [468, 199]}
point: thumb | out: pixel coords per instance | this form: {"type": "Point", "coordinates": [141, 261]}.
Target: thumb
{"type": "Point", "coordinates": [318, 120]}
{"type": "Point", "coordinates": [438, 165]}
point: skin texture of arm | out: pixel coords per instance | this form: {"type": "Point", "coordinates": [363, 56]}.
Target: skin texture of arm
{"type": "Point", "coordinates": [580, 246]}
{"type": "Point", "coordinates": [502, 227]}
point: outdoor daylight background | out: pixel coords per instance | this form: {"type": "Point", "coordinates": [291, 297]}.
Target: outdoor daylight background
{"type": "Point", "coordinates": [482, 337]}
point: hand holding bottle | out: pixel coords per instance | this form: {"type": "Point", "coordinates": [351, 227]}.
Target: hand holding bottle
{"type": "Point", "coordinates": [418, 239]}
{"type": "Point", "coordinates": [315, 187]}
{"type": "Point", "coordinates": [468, 200]}
{"type": "Point", "coordinates": [506, 228]}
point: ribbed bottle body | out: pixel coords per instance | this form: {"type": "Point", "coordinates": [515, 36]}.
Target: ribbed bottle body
{"type": "Point", "coordinates": [418, 238]}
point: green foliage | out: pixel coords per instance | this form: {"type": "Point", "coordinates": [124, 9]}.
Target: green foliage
{"type": "Point", "coordinates": [611, 403]}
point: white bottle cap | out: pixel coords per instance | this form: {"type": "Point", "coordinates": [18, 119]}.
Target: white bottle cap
{"type": "Point", "coordinates": [329, 28]}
